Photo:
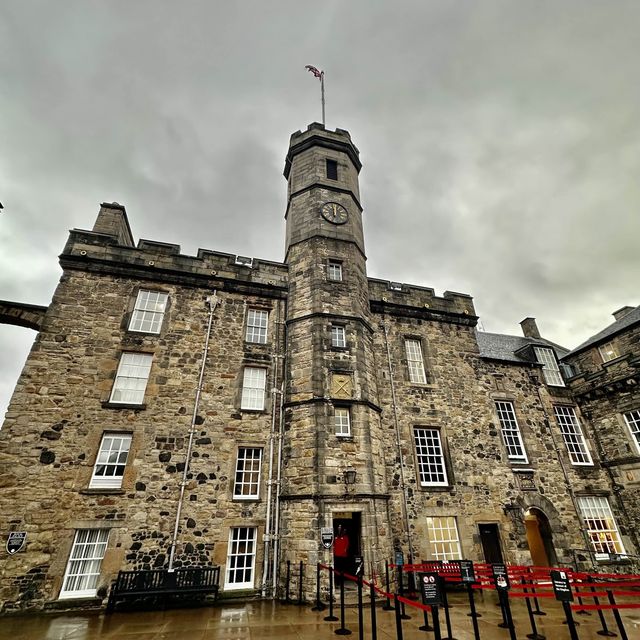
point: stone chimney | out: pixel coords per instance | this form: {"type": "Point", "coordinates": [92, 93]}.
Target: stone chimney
{"type": "Point", "coordinates": [530, 328]}
{"type": "Point", "coordinates": [112, 221]}
{"type": "Point", "coordinates": [622, 312]}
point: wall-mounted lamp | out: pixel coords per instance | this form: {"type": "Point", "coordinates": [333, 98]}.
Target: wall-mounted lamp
{"type": "Point", "coordinates": [514, 511]}
{"type": "Point", "coordinates": [350, 477]}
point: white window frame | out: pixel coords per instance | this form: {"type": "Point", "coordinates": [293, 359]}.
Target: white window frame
{"type": "Point", "coordinates": [148, 311]}
{"type": "Point", "coordinates": [632, 418]}
{"type": "Point", "coordinates": [608, 351]}
{"type": "Point", "coordinates": [334, 271]}
{"type": "Point", "coordinates": [573, 437]}
{"type": "Point", "coordinates": [254, 383]}
{"type": "Point", "coordinates": [415, 361]}
{"type": "Point", "coordinates": [131, 378]}
{"type": "Point", "coordinates": [85, 561]}
{"type": "Point", "coordinates": [444, 538]}
{"type": "Point", "coordinates": [246, 485]}
{"type": "Point", "coordinates": [601, 526]}
{"type": "Point", "coordinates": [257, 326]}
{"type": "Point", "coordinates": [338, 336]}
{"type": "Point", "coordinates": [550, 369]}
{"type": "Point", "coordinates": [111, 461]}
{"type": "Point", "coordinates": [511, 435]}
{"type": "Point", "coordinates": [342, 421]}
{"type": "Point", "coordinates": [241, 558]}
{"type": "Point", "coordinates": [430, 458]}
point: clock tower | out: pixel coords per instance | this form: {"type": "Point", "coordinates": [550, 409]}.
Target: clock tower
{"type": "Point", "coordinates": [333, 465]}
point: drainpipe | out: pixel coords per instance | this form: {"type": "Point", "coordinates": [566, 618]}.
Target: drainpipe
{"type": "Point", "coordinates": [276, 526]}
{"type": "Point", "coordinates": [272, 434]}
{"type": "Point", "coordinates": [405, 499]}
{"type": "Point", "coordinates": [212, 301]}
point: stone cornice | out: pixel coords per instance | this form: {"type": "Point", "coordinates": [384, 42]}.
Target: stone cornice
{"type": "Point", "coordinates": [339, 401]}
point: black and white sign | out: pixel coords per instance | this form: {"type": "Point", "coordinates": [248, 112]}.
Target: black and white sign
{"type": "Point", "coordinates": [15, 541]}
{"type": "Point", "coordinates": [500, 577]}
{"type": "Point", "coordinates": [430, 589]}
{"type": "Point", "coordinates": [561, 586]}
{"type": "Point", "coordinates": [359, 566]}
{"type": "Point", "coordinates": [326, 535]}
{"type": "Point", "coordinates": [467, 574]}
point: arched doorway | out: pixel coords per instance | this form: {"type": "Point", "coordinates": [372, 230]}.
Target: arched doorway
{"type": "Point", "coordinates": [539, 538]}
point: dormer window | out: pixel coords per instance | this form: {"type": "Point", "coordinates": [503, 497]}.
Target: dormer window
{"type": "Point", "coordinates": [550, 370]}
{"type": "Point", "coordinates": [608, 351]}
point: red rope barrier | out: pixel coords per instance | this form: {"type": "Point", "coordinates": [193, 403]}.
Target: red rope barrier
{"type": "Point", "coordinates": [595, 607]}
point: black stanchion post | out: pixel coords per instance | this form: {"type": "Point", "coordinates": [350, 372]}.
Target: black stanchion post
{"type": "Point", "coordinates": [581, 612]}
{"type": "Point", "coordinates": [404, 614]}
{"type": "Point", "coordinates": [472, 603]}
{"type": "Point", "coordinates": [573, 632]}
{"type": "Point", "coordinates": [300, 581]}
{"type": "Point", "coordinates": [398, 619]}
{"type": "Point", "coordinates": [387, 606]}
{"type": "Point", "coordinates": [472, 613]}
{"type": "Point", "coordinates": [505, 623]}
{"type": "Point", "coordinates": [360, 620]}
{"type": "Point", "coordinates": [287, 581]}
{"type": "Point", "coordinates": [538, 611]}
{"type": "Point", "coordinates": [506, 608]}
{"type": "Point", "coordinates": [342, 631]}
{"type": "Point", "coordinates": [411, 580]}
{"type": "Point", "coordinates": [445, 604]}
{"type": "Point", "coordinates": [319, 606]}
{"type": "Point", "coordinates": [372, 598]}
{"type": "Point", "coordinates": [604, 631]}
{"type": "Point", "coordinates": [331, 617]}
{"type": "Point", "coordinates": [436, 623]}
{"type": "Point", "coordinates": [534, 635]}
{"type": "Point", "coordinates": [616, 615]}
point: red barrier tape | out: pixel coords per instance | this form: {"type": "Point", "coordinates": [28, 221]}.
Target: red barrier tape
{"type": "Point", "coordinates": [595, 607]}
{"type": "Point", "coordinates": [603, 594]}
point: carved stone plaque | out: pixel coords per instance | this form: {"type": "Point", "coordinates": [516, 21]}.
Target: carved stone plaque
{"type": "Point", "coordinates": [526, 482]}
{"type": "Point", "coordinates": [341, 386]}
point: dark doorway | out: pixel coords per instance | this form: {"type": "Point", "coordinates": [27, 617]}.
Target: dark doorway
{"type": "Point", "coordinates": [349, 523]}
{"type": "Point", "coordinates": [490, 538]}
{"type": "Point", "coordinates": [539, 538]}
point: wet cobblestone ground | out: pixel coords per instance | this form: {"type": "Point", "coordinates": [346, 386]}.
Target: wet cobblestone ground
{"type": "Point", "coordinates": [274, 621]}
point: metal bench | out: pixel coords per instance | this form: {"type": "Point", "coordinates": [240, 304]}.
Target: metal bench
{"type": "Point", "coordinates": [159, 586]}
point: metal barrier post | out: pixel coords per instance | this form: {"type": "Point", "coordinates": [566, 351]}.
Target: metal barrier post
{"type": "Point", "coordinates": [342, 631]}
{"type": "Point", "coordinates": [534, 635]}
{"type": "Point", "coordinates": [372, 597]}
{"type": "Point", "coordinates": [473, 614]}
{"type": "Point", "coordinates": [581, 612]}
{"type": "Point", "coordinates": [426, 626]}
{"type": "Point", "coordinates": [604, 631]}
{"type": "Point", "coordinates": [506, 609]}
{"type": "Point", "coordinates": [398, 619]}
{"type": "Point", "coordinates": [301, 576]}
{"type": "Point", "coordinates": [538, 611]}
{"type": "Point", "coordinates": [319, 606]}
{"type": "Point", "coordinates": [387, 606]}
{"type": "Point", "coordinates": [360, 620]}
{"type": "Point", "coordinates": [445, 604]}
{"type": "Point", "coordinates": [404, 615]}
{"type": "Point", "coordinates": [331, 617]}
{"type": "Point", "coordinates": [287, 581]}
{"type": "Point", "coordinates": [570, 621]}
{"type": "Point", "coordinates": [616, 615]}
{"type": "Point", "coordinates": [436, 623]}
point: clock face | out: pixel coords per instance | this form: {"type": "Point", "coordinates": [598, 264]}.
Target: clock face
{"type": "Point", "coordinates": [334, 213]}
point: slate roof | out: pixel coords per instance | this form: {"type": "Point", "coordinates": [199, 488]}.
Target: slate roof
{"type": "Point", "coordinates": [498, 346]}
{"type": "Point", "coordinates": [630, 319]}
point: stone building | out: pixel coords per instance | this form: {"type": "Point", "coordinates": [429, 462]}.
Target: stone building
{"type": "Point", "coordinates": [217, 409]}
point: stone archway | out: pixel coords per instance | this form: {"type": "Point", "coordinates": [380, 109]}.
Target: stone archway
{"type": "Point", "coordinates": [545, 532]}
{"type": "Point", "coordinates": [539, 538]}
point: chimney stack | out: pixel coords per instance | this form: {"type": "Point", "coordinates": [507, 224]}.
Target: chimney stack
{"type": "Point", "coordinates": [530, 328]}
{"type": "Point", "coordinates": [622, 312]}
{"type": "Point", "coordinates": [112, 221]}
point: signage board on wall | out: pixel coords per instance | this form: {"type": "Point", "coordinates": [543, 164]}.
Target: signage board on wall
{"type": "Point", "coordinates": [15, 541]}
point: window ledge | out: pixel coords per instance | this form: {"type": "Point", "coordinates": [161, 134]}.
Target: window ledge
{"type": "Point", "coordinates": [142, 333]}
{"type": "Point", "coordinates": [122, 405]}
{"type": "Point", "coordinates": [249, 343]}
{"type": "Point", "coordinates": [73, 602]}
{"type": "Point", "coordinates": [344, 438]}
{"type": "Point", "coordinates": [333, 348]}
{"type": "Point", "coordinates": [422, 385]}
{"type": "Point", "coordinates": [253, 410]}
{"type": "Point", "coordinates": [239, 500]}
{"type": "Point", "coordinates": [438, 488]}
{"type": "Point", "coordinates": [100, 491]}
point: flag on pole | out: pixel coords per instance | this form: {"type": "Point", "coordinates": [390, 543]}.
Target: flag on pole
{"type": "Point", "coordinates": [316, 72]}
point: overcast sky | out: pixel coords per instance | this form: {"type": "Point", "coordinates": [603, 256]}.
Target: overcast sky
{"type": "Point", "coordinates": [499, 139]}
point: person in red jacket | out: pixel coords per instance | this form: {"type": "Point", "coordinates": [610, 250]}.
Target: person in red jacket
{"type": "Point", "coordinates": [341, 550]}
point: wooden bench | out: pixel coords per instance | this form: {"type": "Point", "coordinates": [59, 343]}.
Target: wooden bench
{"type": "Point", "coordinates": [159, 586]}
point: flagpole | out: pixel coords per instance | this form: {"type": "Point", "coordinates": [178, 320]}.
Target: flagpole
{"type": "Point", "coordinates": [322, 93]}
